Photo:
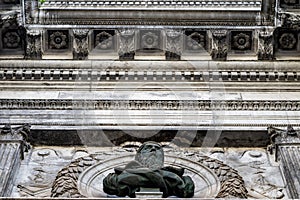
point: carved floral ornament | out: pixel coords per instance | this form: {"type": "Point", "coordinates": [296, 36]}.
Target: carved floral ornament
{"type": "Point", "coordinates": [11, 40]}
{"type": "Point", "coordinates": [104, 40]}
{"type": "Point", "coordinates": [241, 41]}
{"type": "Point", "coordinates": [287, 41]}
{"type": "Point", "coordinates": [150, 40]}
{"type": "Point", "coordinates": [195, 41]}
{"type": "Point", "coordinates": [58, 40]}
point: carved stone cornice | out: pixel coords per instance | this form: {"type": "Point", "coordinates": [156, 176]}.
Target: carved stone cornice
{"type": "Point", "coordinates": [199, 105]}
{"type": "Point", "coordinates": [157, 5]}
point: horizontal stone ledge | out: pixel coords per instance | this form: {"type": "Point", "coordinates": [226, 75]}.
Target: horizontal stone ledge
{"type": "Point", "coordinates": [151, 105]}
{"type": "Point", "coordinates": [112, 65]}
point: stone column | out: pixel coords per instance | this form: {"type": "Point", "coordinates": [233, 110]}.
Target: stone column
{"type": "Point", "coordinates": [12, 147]}
{"type": "Point", "coordinates": [286, 146]}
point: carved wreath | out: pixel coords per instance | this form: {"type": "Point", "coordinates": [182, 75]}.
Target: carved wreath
{"type": "Point", "coordinates": [232, 184]}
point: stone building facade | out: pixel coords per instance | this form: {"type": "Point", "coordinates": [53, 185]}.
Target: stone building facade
{"type": "Point", "coordinates": [84, 83]}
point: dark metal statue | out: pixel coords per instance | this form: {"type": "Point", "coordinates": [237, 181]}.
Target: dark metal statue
{"type": "Point", "coordinates": [147, 171]}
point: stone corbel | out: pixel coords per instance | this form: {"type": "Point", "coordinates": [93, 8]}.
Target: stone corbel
{"type": "Point", "coordinates": [34, 45]}
{"type": "Point", "coordinates": [219, 47]}
{"type": "Point", "coordinates": [80, 44]}
{"type": "Point", "coordinates": [126, 48]}
{"type": "Point", "coordinates": [174, 44]}
{"type": "Point", "coordinates": [286, 146]}
{"type": "Point", "coordinates": [265, 45]}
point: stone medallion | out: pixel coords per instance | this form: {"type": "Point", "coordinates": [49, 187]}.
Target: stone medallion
{"type": "Point", "coordinates": [206, 182]}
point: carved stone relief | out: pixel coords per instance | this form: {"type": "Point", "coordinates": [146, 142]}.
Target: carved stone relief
{"type": "Point", "coordinates": [58, 39]}
{"type": "Point", "coordinates": [150, 40]}
{"type": "Point", "coordinates": [195, 41]}
{"type": "Point", "coordinates": [174, 44]}
{"type": "Point", "coordinates": [127, 44]}
{"type": "Point", "coordinates": [266, 45]}
{"type": "Point", "coordinates": [287, 40]}
{"type": "Point", "coordinates": [219, 47]}
{"type": "Point", "coordinates": [290, 20]}
{"type": "Point", "coordinates": [80, 44]}
{"type": "Point", "coordinates": [104, 39]}
{"type": "Point", "coordinates": [233, 172]}
{"type": "Point", "coordinates": [241, 41]}
{"type": "Point", "coordinates": [34, 44]}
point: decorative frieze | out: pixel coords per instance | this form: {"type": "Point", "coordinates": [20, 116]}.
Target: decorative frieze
{"type": "Point", "coordinates": [42, 74]}
{"type": "Point", "coordinates": [201, 105]}
{"type": "Point", "coordinates": [80, 44]}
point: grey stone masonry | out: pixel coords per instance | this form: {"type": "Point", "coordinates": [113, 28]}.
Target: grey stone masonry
{"type": "Point", "coordinates": [12, 147]}
{"type": "Point", "coordinates": [287, 149]}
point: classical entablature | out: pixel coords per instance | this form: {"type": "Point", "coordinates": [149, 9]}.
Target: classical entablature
{"type": "Point", "coordinates": [185, 73]}
{"type": "Point", "coordinates": [171, 30]}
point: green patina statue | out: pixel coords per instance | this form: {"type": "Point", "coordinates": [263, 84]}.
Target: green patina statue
{"type": "Point", "coordinates": [147, 170]}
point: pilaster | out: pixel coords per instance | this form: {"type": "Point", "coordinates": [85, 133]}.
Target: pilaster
{"type": "Point", "coordinates": [286, 144]}
{"type": "Point", "coordinates": [12, 147]}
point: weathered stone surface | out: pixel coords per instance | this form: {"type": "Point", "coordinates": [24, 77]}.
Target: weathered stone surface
{"type": "Point", "coordinates": [253, 165]}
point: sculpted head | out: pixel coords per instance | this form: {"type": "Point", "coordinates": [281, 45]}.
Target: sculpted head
{"type": "Point", "coordinates": [150, 155]}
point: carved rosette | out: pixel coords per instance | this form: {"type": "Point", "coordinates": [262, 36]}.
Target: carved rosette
{"type": "Point", "coordinates": [219, 47]}
{"type": "Point", "coordinates": [150, 40]}
{"type": "Point", "coordinates": [58, 39]}
{"type": "Point", "coordinates": [196, 41]}
{"type": "Point", "coordinates": [34, 47]}
{"type": "Point", "coordinates": [104, 40]}
{"type": "Point", "coordinates": [241, 41]}
{"type": "Point", "coordinates": [126, 49]}
{"type": "Point", "coordinates": [174, 44]}
{"type": "Point", "coordinates": [71, 181]}
{"type": "Point", "coordinates": [80, 48]}
{"type": "Point", "coordinates": [266, 46]}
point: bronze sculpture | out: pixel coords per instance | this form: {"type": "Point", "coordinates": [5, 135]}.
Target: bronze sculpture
{"type": "Point", "coordinates": [147, 170]}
